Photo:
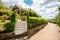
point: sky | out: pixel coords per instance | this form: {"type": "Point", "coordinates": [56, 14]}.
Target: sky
{"type": "Point", "coordinates": [46, 8]}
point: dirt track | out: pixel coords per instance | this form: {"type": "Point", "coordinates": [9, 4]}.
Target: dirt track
{"type": "Point", "coordinates": [50, 32]}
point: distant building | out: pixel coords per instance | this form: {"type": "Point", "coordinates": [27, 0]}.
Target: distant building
{"type": "Point", "coordinates": [15, 7]}
{"type": "Point", "coordinates": [20, 12]}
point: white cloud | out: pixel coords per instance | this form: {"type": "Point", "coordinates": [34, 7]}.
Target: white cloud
{"type": "Point", "coordinates": [38, 1]}
{"type": "Point", "coordinates": [4, 0]}
{"type": "Point", "coordinates": [43, 7]}
{"type": "Point", "coordinates": [48, 10]}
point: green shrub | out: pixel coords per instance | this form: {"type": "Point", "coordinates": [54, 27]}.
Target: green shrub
{"type": "Point", "coordinates": [13, 16]}
{"type": "Point", "coordinates": [28, 21]}
{"type": "Point", "coordinates": [58, 19]}
{"type": "Point", "coordinates": [34, 21]}
{"type": "Point", "coordinates": [17, 16]}
{"type": "Point", "coordinates": [52, 21]}
{"type": "Point", "coordinates": [58, 7]}
{"type": "Point", "coordinates": [31, 13]}
{"type": "Point", "coordinates": [9, 27]}
{"type": "Point", "coordinates": [2, 28]}
{"type": "Point", "coordinates": [2, 6]}
{"type": "Point", "coordinates": [5, 12]}
{"type": "Point", "coordinates": [0, 17]}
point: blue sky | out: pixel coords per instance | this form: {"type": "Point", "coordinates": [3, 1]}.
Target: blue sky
{"type": "Point", "coordinates": [28, 2]}
{"type": "Point", "coordinates": [45, 8]}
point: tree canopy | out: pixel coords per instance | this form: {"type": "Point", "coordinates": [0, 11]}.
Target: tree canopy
{"type": "Point", "coordinates": [58, 17]}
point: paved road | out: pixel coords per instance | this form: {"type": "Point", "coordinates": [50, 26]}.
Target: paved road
{"type": "Point", "coordinates": [50, 32]}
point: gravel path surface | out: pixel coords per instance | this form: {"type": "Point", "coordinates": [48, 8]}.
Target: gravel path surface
{"type": "Point", "coordinates": [21, 27]}
{"type": "Point", "coordinates": [50, 32]}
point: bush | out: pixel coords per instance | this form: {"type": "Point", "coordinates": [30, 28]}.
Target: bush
{"type": "Point", "coordinates": [1, 18]}
{"type": "Point", "coordinates": [34, 21]}
{"type": "Point", "coordinates": [2, 6]}
{"type": "Point", "coordinates": [13, 17]}
{"type": "Point", "coordinates": [9, 27]}
{"type": "Point", "coordinates": [5, 16]}
{"type": "Point", "coordinates": [59, 8]}
{"type": "Point", "coordinates": [17, 16]}
{"type": "Point", "coordinates": [52, 21]}
{"type": "Point", "coordinates": [5, 12]}
{"type": "Point", "coordinates": [2, 28]}
{"type": "Point", "coordinates": [31, 13]}
{"type": "Point", "coordinates": [58, 19]}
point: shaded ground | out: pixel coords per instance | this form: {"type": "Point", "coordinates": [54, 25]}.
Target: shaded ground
{"type": "Point", "coordinates": [34, 30]}
{"type": "Point", "coordinates": [50, 32]}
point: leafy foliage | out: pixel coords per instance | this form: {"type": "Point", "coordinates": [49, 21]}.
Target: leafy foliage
{"type": "Point", "coordinates": [2, 6]}
{"type": "Point", "coordinates": [58, 7]}
{"type": "Point", "coordinates": [59, 0]}
{"type": "Point", "coordinates": [10, 26]}
{"type": "Point", "coordinates": [31, 13]}
{"type": "Point", "coordinates": [34, 21]}
{"type": "Point", "coordinates": [58, 19]}
{"type": "Point", "coordinates": [28, 21]}
{"type": "Point", "coordinates": [13, 17]}
{"type": "Point", "coordinates": [52, 20]}
{"type": "Point", "coordinates": [5, 12]}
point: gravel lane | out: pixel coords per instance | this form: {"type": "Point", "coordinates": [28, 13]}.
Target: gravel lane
{"type": "Point", "coordinates": [50, 32]}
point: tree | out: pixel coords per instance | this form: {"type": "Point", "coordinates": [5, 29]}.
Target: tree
{"type": "Point", "coordinates": [59, 8]}
{"type": "Point", "coordinates": [31, 13]}
{"type": "Point", "coordinates": [58, 18]}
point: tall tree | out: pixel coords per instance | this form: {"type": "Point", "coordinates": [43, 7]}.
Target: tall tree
{"type": "Point", "coordinates": [58, 17]}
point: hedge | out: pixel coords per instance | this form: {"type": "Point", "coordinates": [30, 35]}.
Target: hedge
{"type": "Point", "coordinates": [9, 25]}
{"type": "Point", "coordinates": [35, 21]}
{"type": "Point", "coordinates": [5, 12]}
{"type": "Point", "coordinates": [52, 21]}
{"type": "Point", "coordinates": [58, 19]}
